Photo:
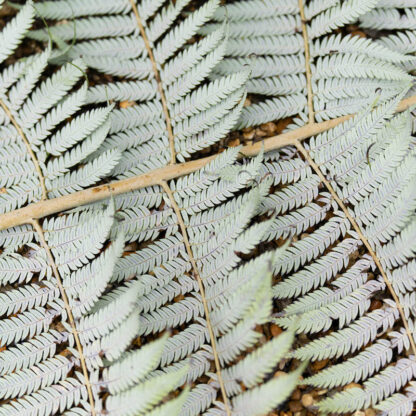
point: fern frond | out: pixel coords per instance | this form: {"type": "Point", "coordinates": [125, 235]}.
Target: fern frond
{"type": "Point", "coordinates": [113, 299]}
{"type": "Point", "coordinates": [397, 21]}
{"type": "Point", "coordinates": [375, 389]}
{"type": "Point", "coordinates": [15, 31]}
{"type": "Point", "coordinates": [36, 377]}
{"type": "Point", "coordinates": [40, 152]}
{"type": "Point", "coordinates": [205, 253]}
{"type": "Point", "coordinates": [176, 111]}
{"type": "Point", "coordinates": [342, 67]}
{"type": "Point", "coordinates": [332, 282]}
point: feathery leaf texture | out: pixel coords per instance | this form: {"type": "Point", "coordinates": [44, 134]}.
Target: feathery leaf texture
{"type": "Point", "coordinates": [41, 154]}
{"type": "Point", "coordinates": [396, 22]}
{"type": "Point", "coordinates": [266, 36]}
{"type": "Point", "coordinates": [332, 282]}
{"type": "Point", "coordinates": [116, 299]}
{"type": "Point", "coordinates": [175, 111]}
{"type": "Point", "coordinates": [73, 306]}
{"type": "Point", "coordinates": [40, 367]}
{"type": "Point", "coordinates": [200, 262]}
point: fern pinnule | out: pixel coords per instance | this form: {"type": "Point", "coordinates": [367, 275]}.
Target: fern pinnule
{"type": "Point", "coordinates": [335, 288]}
{"type": "Point", "coordinates": [278, 45]}
{"type": "Point", "coordinates": [174, 110]}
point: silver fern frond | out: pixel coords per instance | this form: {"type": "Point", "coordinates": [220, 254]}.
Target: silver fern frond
{"type": "Point", "coordinates": [175, 111]}
{"type": "Point", "coordinates": [290, 47]}
{"type": "Point", "coordinates": [39, 153]}
{"type": "Point", "coordinates": [331, 281]}
{"type": "Point", "coordinates": [192, 265]}
{"type": "Point", "coordinates": [190, 279]}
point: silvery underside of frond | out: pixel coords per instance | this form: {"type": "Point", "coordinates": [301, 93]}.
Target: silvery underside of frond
{"type": "Point", "coordinates": [163, 76]}
{"type": "Point", "coordinates": [267, 38]}
{"type": "Point", "coordinates": [150, 302]}
{"type": "Point", "coordinates": [332, 283]}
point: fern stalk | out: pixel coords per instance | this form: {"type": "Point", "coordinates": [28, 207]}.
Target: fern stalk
{"type": "Point", "coordinates": [39, 230]}
{"type": "Point", "coordinates": [98, 193]}
{"type": "Point", "coordinates": [311, 112]}
{"type": "Point", "coordinates": [158, 80]}
{"type": "Point", "coordinates": [29, 149]}
{"type": "Point", "coordinates": [197, 275]}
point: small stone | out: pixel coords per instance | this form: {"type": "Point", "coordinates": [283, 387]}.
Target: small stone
{"type": "Point", "coordinates": [370, 412]}
{"type": "Point", "coordinates": [359, 33]}
{"type": "Point", "coordinates": [353, 386]}
{"type": "Point", "coordinates": [131, 247]}
{"type": "Point", "coordinates": [295, 406]}
{"type": "Point", "coordinates": [275, 330]}
{"type": "Point", "coordinates": [248, 134]}
{"type": "Point", "coordinates": [247, 102]}
{"type": "Point", "coordinates": [260, 133]}
{"type": "Point", "coordinates": [269, 128]}
{"type": "Point", "coordinates": [126, 104]}
{"type": "Point", "coordinates": [279, 373]}
{"type": "Point", "coordinates": [282, 124]}
{"type": "Point", "coordinates": [6, 10]}
{"type": "Point", "coordinates": [234, 142]}
{"type": "Point", "coordinates": [358, 413]}
{"type": "Point", "coordinates": [307, 400]}
{"type": "Point", "coordinates": [296, 395]}
{"type": "Point", "coordinates": [319, 365]}
{"type": "Point", "coordinates": [375, 304]}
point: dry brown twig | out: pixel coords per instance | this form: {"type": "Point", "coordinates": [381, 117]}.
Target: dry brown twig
{"type": "Point", "coordinates": [98, 193]}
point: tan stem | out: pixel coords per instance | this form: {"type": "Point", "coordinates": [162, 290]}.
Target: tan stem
{"type": "Point", "coordinates": [98, 193]}
{"type": "Point", "coordinates": [38, 228]}
{"type": "Point", "coordinates": [28, 147]}
{"type": "Point", "coordinates": [158, 80]}
{"type": "Point", "coordinates": [357, 228]}
{"type": "Point", "coordinates": [307, 62]}
{"type": "Point", "coordinates": [197, 275]}
{"type": "Point", "coordinates": [402, 106]}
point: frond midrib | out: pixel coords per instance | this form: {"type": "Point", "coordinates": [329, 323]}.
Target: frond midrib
{"type": "Point", "coordinates": [29, 149]}
{"type": "Point", "coordinates": [198, 278]}
{"type": "Point", "coordinates": [158, 80]}
{"type": "Point", "coordinates": [39, 230]}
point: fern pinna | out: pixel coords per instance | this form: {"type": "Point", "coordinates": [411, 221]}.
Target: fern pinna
{"type": "Point", "coordinates": [397, 17]}
{"type": "Point", "coordinates": [394, 23]}
{"type": "Point", "coordinates": [362, 248]}
{"type": "Point", "coordinates": [38, 154]}
{"type": "Point", "coordinates": [76, 300]}
{"type": "Point", "coordinates": [295, 54]}
{"type": "Point", "coordinates": [175, 113]}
